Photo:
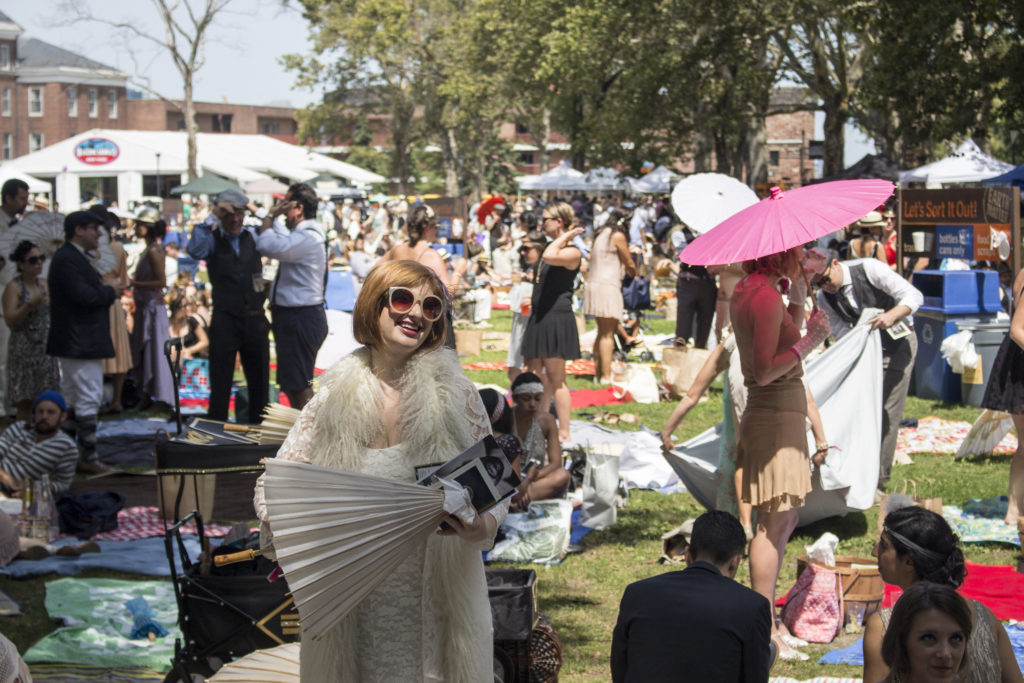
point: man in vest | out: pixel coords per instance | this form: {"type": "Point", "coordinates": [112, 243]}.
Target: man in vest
{"type": "Point", "coordinates": [297, 297]}
{"type": "Point", "coordinates": [848, 288]}
{"type": "Point", "coordinates": [239, 324]}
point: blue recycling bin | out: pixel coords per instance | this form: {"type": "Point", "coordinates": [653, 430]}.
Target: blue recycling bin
{"type": "Point", "coordinates": [950, 296]}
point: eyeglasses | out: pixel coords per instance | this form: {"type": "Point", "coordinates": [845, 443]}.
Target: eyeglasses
{"type": "Point", "coordinates": [402, 299]}
{"type": "Point", "coordinates": [820, 279]}
{"type": "Point", "coordinates": [35, 260]}
{"type": "Point", "coordinates": [549, 218]}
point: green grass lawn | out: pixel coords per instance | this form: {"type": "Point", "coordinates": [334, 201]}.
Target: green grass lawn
{"type": "Point", "coordinates": [581, 595]}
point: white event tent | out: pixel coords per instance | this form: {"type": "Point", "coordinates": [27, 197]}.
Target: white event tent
{"type": "Point", "coordinates": [968, 164]}
{"type": "Point", "coordinates": [560, 177]}
{"type": "Point", "coordinates": [123, 157]}
{"type": "Point", "coordinates": [35, 185]}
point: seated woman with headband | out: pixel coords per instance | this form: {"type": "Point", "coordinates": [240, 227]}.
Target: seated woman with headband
{"type": "Point", "coordinates": [539, 434]}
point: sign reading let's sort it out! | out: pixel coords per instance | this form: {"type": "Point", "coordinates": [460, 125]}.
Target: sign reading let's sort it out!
{"type": "Point", "coordinates": [974, 224]}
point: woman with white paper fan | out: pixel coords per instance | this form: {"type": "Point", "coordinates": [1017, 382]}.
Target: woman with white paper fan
{"type": "Point", "coordinates": [399, 403]}
{"type": "Point", "coordinates": [26, 308]}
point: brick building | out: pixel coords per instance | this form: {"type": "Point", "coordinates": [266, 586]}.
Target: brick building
{"type": "Point", "coordinates": [789, 130]}
{"type": "Point", "coordinates": [213, 117]}
{"type": "Point", "coordinates": [48, 94]}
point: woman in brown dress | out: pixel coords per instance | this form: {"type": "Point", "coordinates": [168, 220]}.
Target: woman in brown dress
{"type": "Point", "coordinates": [772, 435]}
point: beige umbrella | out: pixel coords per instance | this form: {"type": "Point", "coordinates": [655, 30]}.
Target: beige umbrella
{"type": "Point", "coordinates": [338, 535]}
{"type": "Point", "coordinates": [274, 665]}
{"type": "Point", "coordinates": [986, 433]}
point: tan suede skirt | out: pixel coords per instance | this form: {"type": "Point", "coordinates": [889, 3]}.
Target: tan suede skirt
{"type": "Point", "coordinates": [773, 439]}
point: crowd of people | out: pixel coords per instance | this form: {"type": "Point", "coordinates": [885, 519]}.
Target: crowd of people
{"type": "Point", "coordinates": [402, 401]}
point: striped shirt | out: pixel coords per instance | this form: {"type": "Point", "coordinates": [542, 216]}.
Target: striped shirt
{"type": "Point", "coordinates": [21, 456]}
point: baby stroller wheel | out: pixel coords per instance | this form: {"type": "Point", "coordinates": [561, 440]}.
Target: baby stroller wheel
{"type": "Point", "coordinates": [647, 357]}
{"type": "Point", "coordinates": [619, 355]}
{"type": "Point", "coordinates": [504, 668]}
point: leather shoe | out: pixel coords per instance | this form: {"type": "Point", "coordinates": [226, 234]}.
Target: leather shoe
{"type": "Point", "coordinates": [92, 467]}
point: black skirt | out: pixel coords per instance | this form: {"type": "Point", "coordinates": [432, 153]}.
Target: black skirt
{"type": "Point", "coordinates": [553, 336]}
{"type": "Point", "coordinates": [1005, 390]}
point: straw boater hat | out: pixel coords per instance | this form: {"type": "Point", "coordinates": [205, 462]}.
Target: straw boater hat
{"type": "Point", "coordinates": [872, 220]}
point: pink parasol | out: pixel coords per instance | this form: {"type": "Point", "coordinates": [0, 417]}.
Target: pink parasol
{"type": "Point", "coordinates": [785, 220]}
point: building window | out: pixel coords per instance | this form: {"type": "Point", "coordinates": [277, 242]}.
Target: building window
{"type": "Point", "coordinates": [94, 103]}
{"type": "Point", "coordinates": [222, 123]}
{"type": "Point", "coordinates": [35, 101]}
{"type": "Point", "coordinates": [271, 128]}
{"type": "Point", "coordinates": [181, 123]}
{"type": "Point", "coordinates": [72, 101]}
{"type": "Point", "coordinates": [773, 158]}
{"type": "Point", "coordinates": [8, 145]}
{"type": "Point", "coordinates": [112, 104]}
{"type": "Point", "coordinates": [35, 142]}
{"type": "Point", "coordinates": [5, 101]}
{"type": "Point", "coordinates": [5, 57]}
{"type": "Point", "coordinates": [525, 159]}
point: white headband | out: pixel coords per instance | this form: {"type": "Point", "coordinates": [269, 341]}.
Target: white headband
{"type": "Point", "coordinates": [528, 388]}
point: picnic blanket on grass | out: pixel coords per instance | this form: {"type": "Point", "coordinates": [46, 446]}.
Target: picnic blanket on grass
{"type": "Point", "coordinates": [935, 435]}
{"type": "Point", "coordinates": [142, 522]}
{"type": "Point", "coordinates": [67, 673]}
{"type": "Point", "coordinates": [142, 556]}
{"type": "Point", "coordinates": [97, 625]}
{"type": "Point", "coordinates": [573, 367]}
{"type": "Point", "coordinates": [981, 520]}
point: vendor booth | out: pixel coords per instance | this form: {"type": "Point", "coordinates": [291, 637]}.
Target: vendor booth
{"type": "Point", "coordinates": [123, 166]}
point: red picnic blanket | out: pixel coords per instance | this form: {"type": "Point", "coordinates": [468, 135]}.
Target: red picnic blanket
{"type": "Point", "coordinates": [143, 522]}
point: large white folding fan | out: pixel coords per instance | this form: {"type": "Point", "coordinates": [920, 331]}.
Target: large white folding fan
{"type": "Point", "coordinates": [338, 535]}
{"type": "Point", "coordinates": [274, 665]}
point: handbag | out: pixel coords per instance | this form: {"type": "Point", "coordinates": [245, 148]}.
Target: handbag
{"type": "Point", "coordinates": [680, 366]}
{"type": "Point", "coordinates": [636, 293]}
{"type": "Point", "coordinates": [814, 606]}
{"type": "Point", "coordinates": [930, 503]}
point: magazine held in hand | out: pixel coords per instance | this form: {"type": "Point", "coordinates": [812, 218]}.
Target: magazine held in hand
{"type": "Point", "coordinates": [482, 469]}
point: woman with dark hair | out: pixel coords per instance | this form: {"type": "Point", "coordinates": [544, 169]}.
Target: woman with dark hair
{"type": "Point", "coordinates": [917, 545]}
{"type": "Point", "coordinates": [519, 297]}
{"type": "Point", "coordinates": [184, 323]}
{"type": "Point", "coordinates": [551, 337]}
{"type": "Point", "coordinates": [150, 326]}
{"type": "Point", "coordinates": [535, 428]}
{"type": "Point", "coordinates": [929, 636]}
{"type": "Point", "coordinates": [772, 440]}
{"type": "Point", "coordinates": [602, 298]}
{"type": "Point", "coordinates": [26, 307]}
{"type": "Point", "coordinates": [398, 403]}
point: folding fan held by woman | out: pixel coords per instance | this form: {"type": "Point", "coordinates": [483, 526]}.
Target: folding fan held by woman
{"type": "Point", "coordinates": [398, 403]}
{"type": "Point", "coordinates": [768, 237]}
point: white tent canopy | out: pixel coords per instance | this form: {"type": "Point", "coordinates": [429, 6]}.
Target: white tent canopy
{"type": "Point", "coordinates": [35, 185]}
{"type": "Point", "coordinates": [968, 164]}
{"type": "Point", "coordinates": [131, 154]}
{"type": "Point", "coordinates": [657, 181]}
{"type": "Point", "coordinates": [560, 177]}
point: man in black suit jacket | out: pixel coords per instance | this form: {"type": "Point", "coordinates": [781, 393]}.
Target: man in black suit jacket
{"type": "Point", "coordinates": [79, 334]}
{"type": "Point", "coordinates": [697, 624]}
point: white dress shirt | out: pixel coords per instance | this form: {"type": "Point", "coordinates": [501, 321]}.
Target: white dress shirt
{"type": "Point", "coordinates": [302, 263]}
{"type": "Point", "coordinates": [880, 276]}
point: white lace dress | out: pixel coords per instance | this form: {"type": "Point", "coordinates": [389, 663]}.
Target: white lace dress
{"type": "Point", "coordinates": [430, 620]}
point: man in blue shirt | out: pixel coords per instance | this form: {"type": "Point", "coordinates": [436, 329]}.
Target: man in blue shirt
{"type": "Point", "coordinates": [297, 296]}
{"type": "Point", "coordinates": [239, 324]}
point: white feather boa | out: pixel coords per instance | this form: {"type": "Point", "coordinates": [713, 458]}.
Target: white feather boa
{"type": "Point", "coordinates": [436, 425]}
